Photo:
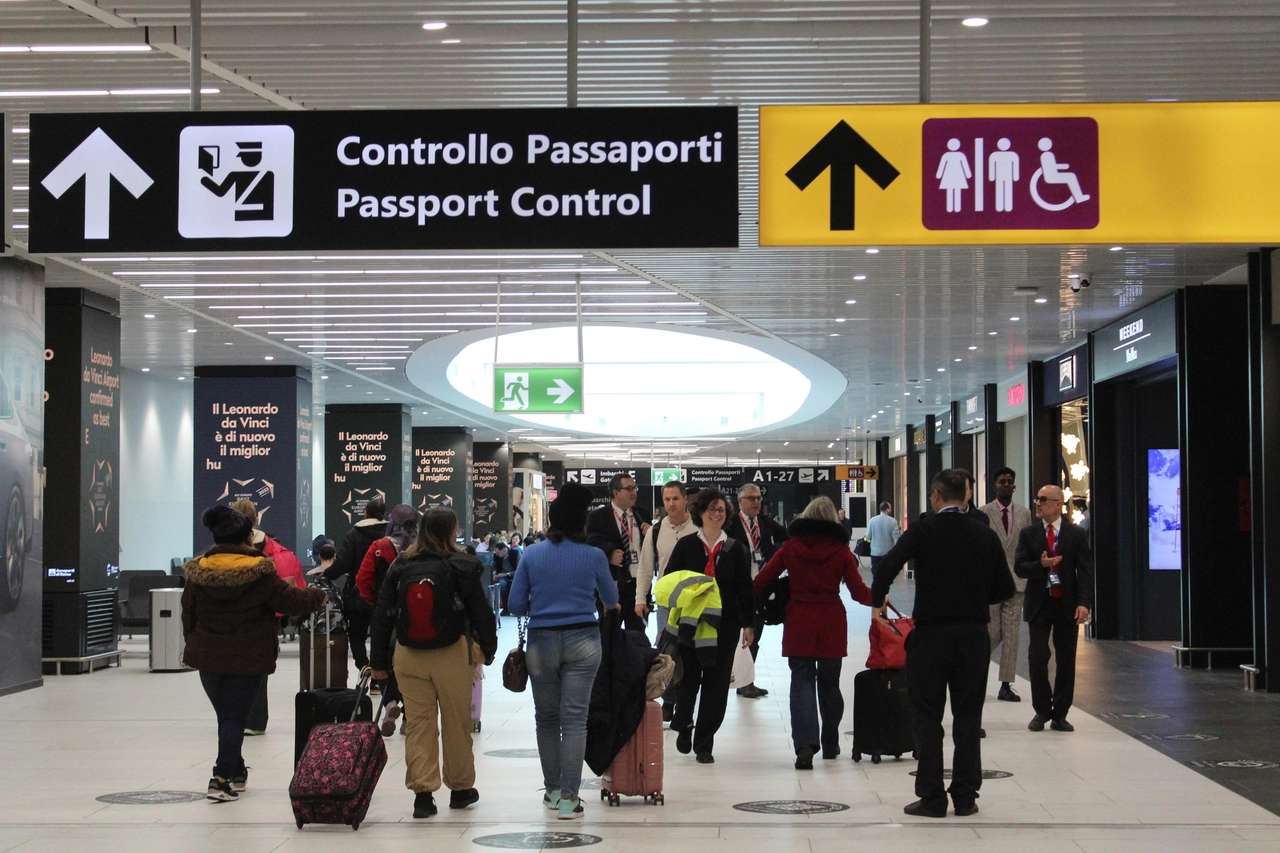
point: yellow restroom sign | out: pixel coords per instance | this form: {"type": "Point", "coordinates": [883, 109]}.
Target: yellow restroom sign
{"type": "Point", "coordinates": [1019, 173]}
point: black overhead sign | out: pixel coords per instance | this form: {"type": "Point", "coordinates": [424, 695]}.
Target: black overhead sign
{"type": "Point", "coordinates": [653, 177]}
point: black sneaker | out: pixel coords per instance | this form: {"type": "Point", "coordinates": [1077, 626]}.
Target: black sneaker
{"type": "Point", "coordinates": [424, 805]}
{"type": "Point", "coordinates": [706, 758]}
{"type": "Point", "coordinates": [684, 741]}
{"type": "Point", "coordinates": [220, 790]}
{"type": "Point", "coordinates": [462, 799]}
{"type": "Point", "coordinates": [804, 758]}
{"type": "Point", "coordinates": [922, 809]}
{"type": "Point", "coordinates": [966, 809]}
{"type": "Point", "coordinates": [240, 781]}
{"type": "Point", "coordinates": [1006, 693]}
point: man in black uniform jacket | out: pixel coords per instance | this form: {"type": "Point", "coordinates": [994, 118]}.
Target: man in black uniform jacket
{"type": "Point", "coordinates": [763, 537]}
{"type": "Point", "coordinates": [960, 572]}
{"type": "Point", "coordinates": [1055, 557]}
{"type": "Point", "coordinates": [618, 528]}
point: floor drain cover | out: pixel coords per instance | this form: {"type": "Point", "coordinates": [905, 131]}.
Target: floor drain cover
{"type": "Point", "coordinates": [513, 753]}
{"type": "Point", "coordinates": [537, 840]}
{"type": "Point", "coordinates": [1134, 716]}
{"type": "Point", "coordinates": [791, 807]}
{"type": "Point", "coordinates": [1181, 737]}
{"type": "Point", "coordinates": [151, 798]}
{"type": "Point", "coordinates": [986, 774]}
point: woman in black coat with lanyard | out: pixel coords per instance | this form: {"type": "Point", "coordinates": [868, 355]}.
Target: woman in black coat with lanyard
{"type": "Point", "coordinates": [711, 552]}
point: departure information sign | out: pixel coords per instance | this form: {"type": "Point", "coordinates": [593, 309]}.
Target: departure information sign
{"type": "Point", "coordinates": [1019, 173]}
{"type": "Point", "coordinates": [655, 177]}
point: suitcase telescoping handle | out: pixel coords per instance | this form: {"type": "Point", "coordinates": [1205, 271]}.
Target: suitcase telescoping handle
{"type": "Point", "coordinates": [362, 690]}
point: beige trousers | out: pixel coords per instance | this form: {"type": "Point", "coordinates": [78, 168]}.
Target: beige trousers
{"type": "Point", "coordinates": [437, 682]}
{"type": "Point", "coordinates": [1006, 620]}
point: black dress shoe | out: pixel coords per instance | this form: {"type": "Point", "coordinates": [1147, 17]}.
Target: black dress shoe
{"type": "Point", "coordinates": [1062, 726]}
{"type": "Point", "coordinates": [966, 809]}
{"type": "Point", "coordinates": [752, 692]}
{"type": "Point", "coordinates": [922, 809]}
{"type": "Point", "coordinates": [1006, 694]}
{"type": "Point", "coordinates": [982, 733]}
{"type": "Point", "coordinates": [804, 758]}
{"type": "Point", "coordinates": [1037, 722]}
{"type": "Point", "coordinates": [706, 758]}
{"type": "Point", "coordinates": [684, 741]}
{"type": "Point", "coordinates": [833, 752]}
{"type": "Point", "coordinates": [668, 711]}
{"type": "Point", "coordinates": [424, 805]}
{"type": "Point", "coordinates": [462, 799]}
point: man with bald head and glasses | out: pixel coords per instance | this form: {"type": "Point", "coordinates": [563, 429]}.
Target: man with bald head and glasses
{"type": "Point", "coordinates": [1055, 557]}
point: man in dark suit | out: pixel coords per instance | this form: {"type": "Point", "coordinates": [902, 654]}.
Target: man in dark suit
{"type": "Point", "coordinates": [960, 572]}
{"type": "Point", "coordinates": [763, 537]}
{"type": "Point", "coordinates": [618, 528]}
{"type": "Point", "coordinates": [1055, 557]}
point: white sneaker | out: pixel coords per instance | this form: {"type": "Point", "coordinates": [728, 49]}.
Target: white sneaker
{"type": "Point", "coordinates": [220, 790]}
{"type": "Point", "coordinates": [570, 809]}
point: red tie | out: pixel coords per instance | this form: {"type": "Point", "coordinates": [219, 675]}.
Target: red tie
{"type": "Point", "coordinates": [1005, 512]}
{"type": "Point", "coordinates": [712, 554]}
{"type": "Point", "coordinates": [1054, 591]}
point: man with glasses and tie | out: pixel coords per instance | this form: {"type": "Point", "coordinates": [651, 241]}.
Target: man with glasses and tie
{"type": "Point", "coordinates": [763, 537]}
{"type": "Point", "coordinates": [1055, 558]}
{"type": "Point", "coordinates": [618, 528]}
{"type": "Point", "coordinates": [1007, 520]}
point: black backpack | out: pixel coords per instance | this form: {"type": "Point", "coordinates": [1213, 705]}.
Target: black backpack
{"type": "Point", "coordinates": [430, 613]}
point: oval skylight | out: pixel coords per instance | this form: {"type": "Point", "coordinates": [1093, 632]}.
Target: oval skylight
{"type": "Point", "coordinates": [642, 381]}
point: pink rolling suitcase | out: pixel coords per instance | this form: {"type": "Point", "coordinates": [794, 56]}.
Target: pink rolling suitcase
{"type": "Point", "coordinates": [637, 769]}
{"type": "Point", "coordinates": [339, 769]}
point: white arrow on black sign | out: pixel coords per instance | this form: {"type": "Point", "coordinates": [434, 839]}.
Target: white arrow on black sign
{"type": "Point", "coordinates": [571, 476]}
{"type": "Point", "coordinates": [98, 159]}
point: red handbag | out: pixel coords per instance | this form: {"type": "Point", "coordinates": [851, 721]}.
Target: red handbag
{"type": "Point", "coordinates": [888, 642]}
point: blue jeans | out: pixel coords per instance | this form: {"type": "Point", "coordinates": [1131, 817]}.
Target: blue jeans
{"type": "Point", "coordinates": [232, 697]}
{"type": "Point", "coordinates": [824, 673]}
{"type": "Point", "coordinates": [562, 667]}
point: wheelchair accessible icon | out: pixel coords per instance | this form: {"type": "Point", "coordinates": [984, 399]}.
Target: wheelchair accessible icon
{"type": "Point", "coordinates": [1054, 172]}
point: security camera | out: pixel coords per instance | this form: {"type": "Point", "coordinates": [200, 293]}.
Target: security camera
{"type": "Point", "coordinates": [919, 399]}
{"type": "Point", "coordinates": [1084, 282]}
{"type": "Point", "coordinates": [1075, 285]}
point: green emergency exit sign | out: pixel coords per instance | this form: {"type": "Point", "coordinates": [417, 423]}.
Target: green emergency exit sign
{"type": "Point", "coordinates": [534, 389]}
{"type": "Point", "coordinates": [662, 476]}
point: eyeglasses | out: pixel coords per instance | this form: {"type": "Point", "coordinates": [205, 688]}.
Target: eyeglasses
{"type": "Point", "coordinates": [715, 510]}
{"type": "Point", "coordinates": [1041, 499]}
{"type": "Point", "coordinates": [748, 497]}
{"type": "Point", "coordinates": [629, 489]}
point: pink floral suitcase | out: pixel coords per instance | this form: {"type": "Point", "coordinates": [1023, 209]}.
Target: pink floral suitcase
{"type": "Point", "coordinates": [337, 773]}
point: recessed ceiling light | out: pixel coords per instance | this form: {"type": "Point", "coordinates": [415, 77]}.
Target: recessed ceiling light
{"type": "Point", "coordinates": [851, 302]}
{"type": "Point", "coordinates": [348, 386]}
{"type": "Point", "coordinates": [785, 443]}
{"type": "Point", "coordinates": [831, 445]}
{"type": "Point", "coordinates": [269, 357]}
{"type": "Point", "coordinates": [326, 377]}
{"type": "Point", "coordinates": [149, 316]}
{"type": "Point", "coordinates": [859, 278]}
{"type": "Point", "coordinates": [228, 344]}
{"type": "Point", "coordinates": [906, 393]}
{"type": "Point", "coordinates": [993, 334]}
{"type": "Point", "coordinates": [873, 251]}
{"type": "Point", "coordinates": [833, 335]}
{"type": "Point", "coordinates": [942, 370]}
{"type": "Point", "coordinates": [880, 412]}
{"type": "Point", "coordinates": [975, 22]}
{"type": "Point", "coordinates": [434, 25]}
{"type": "Point", "coordinates": [1117, 248]}
{"type": "Point", "coordinates": [1074, 275]}
{"type": "Point", "coordinates": [757, 450]}
{"type": "Point", "coordinates": [191, 331]}
{"type": "Point", "coordinates": [180, 378]}
{"type": "Point", "coordinates": [146, 370]}
{"type": "Point", "coordinates": [972, 348]}
{"type": "Point", "coordinates": [1041, 301]}
{"type": "Point", "coordinates": [451, 41]}
{"type": "Point", "coordinates": [958, 359]}
{"type": "Point", "coordinates": [839, 319]}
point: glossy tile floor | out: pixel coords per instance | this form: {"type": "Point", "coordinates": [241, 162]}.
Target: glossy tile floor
{"type": "Point", "coordinates": [127, 729]}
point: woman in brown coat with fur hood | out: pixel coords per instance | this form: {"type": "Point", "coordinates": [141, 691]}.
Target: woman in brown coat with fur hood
{"type": "Point", "coordinates": [229, 611]}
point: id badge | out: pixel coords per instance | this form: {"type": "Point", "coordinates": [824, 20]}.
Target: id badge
{"type": "Point", "coordinates": [757, 557]}
{"type": "Point", "coordinates": [1054, 580]}
{"type": "Point", "coordinates": [635, 558]}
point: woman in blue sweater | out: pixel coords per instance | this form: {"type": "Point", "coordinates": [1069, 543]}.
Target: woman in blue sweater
{"type": "Point", "coordinates": [556, 585]}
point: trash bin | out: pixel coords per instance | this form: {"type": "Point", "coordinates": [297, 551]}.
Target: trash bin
{"type": "Point", "coordinates": [167, 641]}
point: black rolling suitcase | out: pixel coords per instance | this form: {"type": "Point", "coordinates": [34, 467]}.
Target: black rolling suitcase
{"type": "Point", "coordinates": [881, 715]}
{"type": "Point", "coordinates": [326, 704]}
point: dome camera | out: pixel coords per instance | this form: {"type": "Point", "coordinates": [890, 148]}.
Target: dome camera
{"type": "Point", "coordinates": [1084, 282]}
{"type": "Point", "coordinates": [1075, 285]}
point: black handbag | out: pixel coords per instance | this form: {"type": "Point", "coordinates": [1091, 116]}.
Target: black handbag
{"type": "Point", "coordinates": [515, 669]}
{"type": "Point", "coordinates": [862, 547]}
{"type": "Point", "coordinates": [773, 603]}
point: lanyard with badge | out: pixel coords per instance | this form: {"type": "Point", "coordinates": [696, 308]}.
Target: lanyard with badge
{"type": "Point", "coordinates": [753, 533]}
{"type": "Point", "coordinates": [624, 525]}
{"type": "Point", "coordinates": [1055, 580]}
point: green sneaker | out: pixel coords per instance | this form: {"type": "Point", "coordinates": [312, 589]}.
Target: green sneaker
{"type": "Point", "coordinates": [570, 809]}
{"type": "Point", "coordinates": [551, 799]}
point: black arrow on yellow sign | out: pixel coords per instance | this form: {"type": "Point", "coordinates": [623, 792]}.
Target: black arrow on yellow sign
{"type": "Point", "coordinates": [842, 150]}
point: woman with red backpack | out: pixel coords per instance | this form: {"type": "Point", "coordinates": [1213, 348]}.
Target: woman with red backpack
{"type": "Point", "coordinates": [443, 626]}
{"type": "Point", "coordinates": [402, 529]}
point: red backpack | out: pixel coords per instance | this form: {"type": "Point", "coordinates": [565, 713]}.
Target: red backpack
{"type": "Point", "coordinates": [287, 565]}
{"type": "Point", "coordinates": [431, 613]}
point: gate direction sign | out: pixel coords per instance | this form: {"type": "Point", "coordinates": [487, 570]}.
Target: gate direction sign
{"type": "Point", "coordinates": [857, 472]}
{"type": "Point", "coordinates": [531, 389]}
{"type": "Point", "coordinates": [1019, 173]}
{"type": "Point", "coordinates": [646, 177]}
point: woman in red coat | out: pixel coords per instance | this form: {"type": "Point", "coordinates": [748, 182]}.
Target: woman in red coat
{"type": "Point", "coordinates": [814, 630]}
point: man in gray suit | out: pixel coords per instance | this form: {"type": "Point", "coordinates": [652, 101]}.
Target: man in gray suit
{"type": "Point", "coordinates": [1007, 520]}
